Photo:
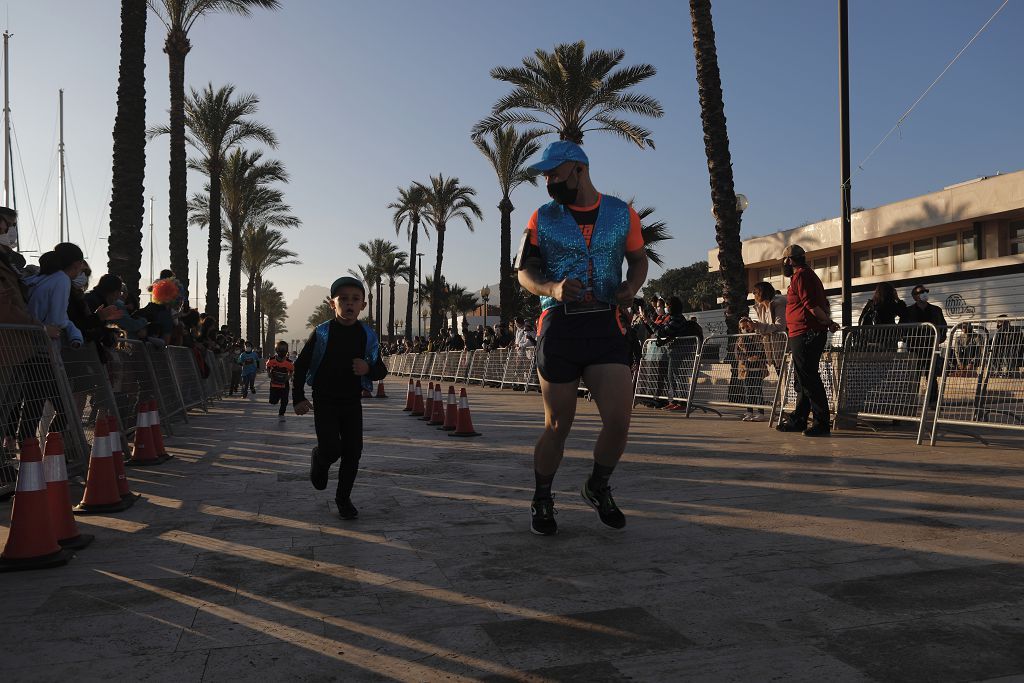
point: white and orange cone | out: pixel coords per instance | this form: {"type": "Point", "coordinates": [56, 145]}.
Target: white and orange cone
{"type": "Point", "coordinates": [464, 426]}
{"type": "Point", "coordinates": [428, 404]}
{"type": "Point", "coordinates": [410, 398]}
{"type": "Point", "coordinates": [417, 406]}
{"type": "Point", "coordinates": [118, 456]}
{"type": "Point", "coordinates": [58, 495]}
{"type": "Point", "coordinates": [31, 543]}
{"type": "Point", "coordinates": [101, 492]}
{"type": "Point", "coordinates": [380, 390]}
{"type": "Point", "coordinates": [451, 413]}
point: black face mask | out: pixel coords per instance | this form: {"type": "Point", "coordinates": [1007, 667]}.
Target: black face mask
{"type": "Point", "coordinates": [562, 193]}
{"type": "Point", "coordinates": [788, 269]}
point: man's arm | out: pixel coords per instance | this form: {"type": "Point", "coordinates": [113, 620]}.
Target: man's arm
{"type": "Point", "coordinates": [636, 275]}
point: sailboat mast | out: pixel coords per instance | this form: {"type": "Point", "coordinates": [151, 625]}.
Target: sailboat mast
{"type": "Point", "coordinates": [63, 200]}
{"type": "Point", "coordinates": [7, 124]}
{"type": "Point", "coordinates": [151, 240]}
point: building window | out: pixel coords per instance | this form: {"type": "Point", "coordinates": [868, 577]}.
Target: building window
{"type": "Point", "coordinates": [772, 276]}
{"type": "Point", "coordinates": [827, 268]}
{"type": "Point", "coordinates": [1017, 238]}
{"type": "Point", "coordinates": [902, 258]}
{"type": "Point", "coordinates": [861, 263]}
{"type": "Point", "coordinates": [880, 261]}
{"type": "Point", "coordinates": [969, 241]}
{"type": "Point", "coordinates": [947, 250]}
{"type": "Point", "coordinates": [924, 253]}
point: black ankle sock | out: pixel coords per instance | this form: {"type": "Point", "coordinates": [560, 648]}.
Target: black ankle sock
{"type": "Point", "coordinates": [600, 476]}
{"type": "Point", "coordinates": [543, 485]}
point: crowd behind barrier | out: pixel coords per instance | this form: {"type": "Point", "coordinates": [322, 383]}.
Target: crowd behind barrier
{"type": "Point", "coordinates": [872, 374]}
{"type": "Point", "coordinates": [46, 387]}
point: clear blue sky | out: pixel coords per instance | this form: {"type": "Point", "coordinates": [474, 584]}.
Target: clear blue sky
{"type": "Point", "coordinates": [367, 96]}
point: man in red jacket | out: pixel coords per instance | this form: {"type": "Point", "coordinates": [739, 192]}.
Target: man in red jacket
{"type": "Point", "coordinates": [808, 324]}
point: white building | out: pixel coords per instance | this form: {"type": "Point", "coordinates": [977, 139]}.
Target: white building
{"type": "Point", "coordinates": [964, 242]}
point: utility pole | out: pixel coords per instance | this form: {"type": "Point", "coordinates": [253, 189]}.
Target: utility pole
{"type": "Point", "coordinates": [63, 199]}
{"type": "Point", "coordinates": [419, 291]}
{"type": "Point", "coordinates": [846, 265]}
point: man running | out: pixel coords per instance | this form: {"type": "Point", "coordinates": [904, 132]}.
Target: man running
{"type": "Point", "coordinates": [571, 256]}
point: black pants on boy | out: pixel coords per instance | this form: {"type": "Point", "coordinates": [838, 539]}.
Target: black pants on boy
{"type": "Point", "coordinates": [248, 384]}
{"type": "Point", "coordinates": [810, 392]}
{"type": "Point", "coordinates": [339, 436]}
{"type": "Point", "coordinates": [280, 395]}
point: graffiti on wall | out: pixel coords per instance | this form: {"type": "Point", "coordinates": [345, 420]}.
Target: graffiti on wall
{"type": "Point", "coordinates": [957, 307]}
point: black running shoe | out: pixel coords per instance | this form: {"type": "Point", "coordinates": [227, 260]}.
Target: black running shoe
{"type": "Point", "coordinates": [318, 473]}
{"type": "Point", "coordinates": [542, 520]}
{"type": "Point", "coordinates": [346, 510]}
{"type": "Point", "coordinates": [791, 426]}
{"type": "Point", "coordinates": [602, 501]}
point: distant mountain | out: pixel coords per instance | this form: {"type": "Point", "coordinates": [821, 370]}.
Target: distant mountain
{"type": "Point", "coordinates": [300, 309]}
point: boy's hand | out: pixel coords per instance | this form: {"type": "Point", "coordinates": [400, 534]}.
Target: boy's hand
{"type": "Point", "coordinates": [360, 367]}
{"type": "Point", "coordinates": [303, 407]}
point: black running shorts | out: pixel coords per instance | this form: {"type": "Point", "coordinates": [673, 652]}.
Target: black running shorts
{"type": "Point", "coordinates": [563, 360]}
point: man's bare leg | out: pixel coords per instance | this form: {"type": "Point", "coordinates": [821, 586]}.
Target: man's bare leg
{"type": "Point", "coordinates": [559, 411]}
{"type": "Point", "coordinates": [611, 387]}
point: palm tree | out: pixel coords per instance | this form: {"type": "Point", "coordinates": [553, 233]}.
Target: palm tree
{"type": "Point", "coordinates": [653, 231]}
{"type": "Point", "coordinates": [447, 200]}
{"type": "Point", "coordinates": [409, 209]}
{"type": "Point", "coordinates": [178, 17]}
{"type": "Point", "coordinates": [321, 314]}
{"type": "Point", "coordinates": [572, 93]}
{"type": "Point", "coordinates": [378, 251]}
{"type": "Point", "coordinates": [127, 200]}
{"type": "Point", "coordinates": [263, 248]}
{"type": "Point", "coordinates": [508, 155]}
{"type": "Point", "coordinates": [462, 302]}
{"type": "Point", "coordinates": [395, 266]}
{"type": "Point", "coordinates": [274, 311]}
{"type": "Point", "coordinates": [217, 124]}
{"type": "Point", "coordinates": [366, 275]}
{"type": "Point", "coordinates": [716, 147]}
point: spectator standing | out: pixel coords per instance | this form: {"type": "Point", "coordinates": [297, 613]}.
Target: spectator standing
{"type": "Point", "coordinates": [672, 333]}
{"type": "Point", "coordinates": [752, 368]}
{"type": "Point", "coordinates": [923, 312]}
{"type": "Point", "coordinates": [884, 307]}
{"type": "Point", "coordinates": [808, 323]}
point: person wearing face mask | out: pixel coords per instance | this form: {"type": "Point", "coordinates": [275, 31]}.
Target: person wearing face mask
{"type": "Point", "coordinates": [50, 290]}
{"type": "Point", "coordinates": [571, 256]}
{"type": "Point", "coordinates": [808, 323]}
{"type": "Point", "coordinates": [13, 292]}
{"type": "Point", "coordinates": [924, 312]}
{"type": "Point", "coordinates": [91, 320]}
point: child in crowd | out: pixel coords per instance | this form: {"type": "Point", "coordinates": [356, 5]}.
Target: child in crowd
{"type": "Point", "coordinates": [280, 370]}
{"type": "Point", "coordinates": [250, 362]}
{"type": "Point", "coordinates": [337, 357]}
{"type": "Point", "coordinates": [752, 368]}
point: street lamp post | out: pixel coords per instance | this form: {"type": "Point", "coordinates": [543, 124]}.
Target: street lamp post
{"type": "Point", "coordinates": [424, 315]}
{"type": "Point", "coordinates": [485, 294]}
{"type": "Point", "coordinates": [419, 288]}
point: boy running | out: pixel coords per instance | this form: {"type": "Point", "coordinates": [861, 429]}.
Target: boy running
{"type": "Point", "coordinates": [280, 370]}
{"type": "Point", "coordinates": [337, 357]}
{"type": "Point", "coordinates": [250, 362]}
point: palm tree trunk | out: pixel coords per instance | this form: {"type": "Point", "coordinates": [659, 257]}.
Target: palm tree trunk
{"type": "Point", "coordinates": [257, 306]}
{"type": "Point", "coordinates": [177, 46]}
{"type": "Point", "coordinates": [213, 247]}
{"type": "Point", "coordinates": [127, 194]}
{"type": "Point", "coordinates": [505, 285]}
{"type": "Point", "coordinates": [235, 282]}
{"type": "Point", "coordinates": [436, 307]}
{"type": "Point", "coordinates": [391, 309]}
{"type": "Point", "coordinates": [250, 307]}
{"type": "Point", "coordinates": [412, 279]}
{"type": "Point", "coordinates": [716, 147]}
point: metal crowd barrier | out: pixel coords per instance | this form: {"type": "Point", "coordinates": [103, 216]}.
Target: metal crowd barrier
{"type": "Point", "coordinates": [89, 379]}
{"type": "Point", "coordinates": [737, 370]}
{"type": "Point", "coordinates": [172, 406]}
{"type": "Point", "coordinates": [428, 365]}
{"type": "Point", "coordinates": [665, 372]}
{"type": "Point", "coordinates": [450, 367]}
{"type": "Point", "coordinates": [186, 376]}
{"type": "Point", "coordinates": [133, 380]}
{"type": "Point", "coordinates": [494, 370]}
{"type": "Point", "coordinates": [887, 373]}
{"type": "Point", "coordinates": [520, 369]}
{"type": "Point", "coordinates": [477, 366]}
{"type": "Point", "coordinates": [829, 368]}
{"type": "Point", "coordinates": [31, 378]}
{"type": "Point", "coordinates": [462, 370]}
{"type": "Point", "coordinates": [982, 381]}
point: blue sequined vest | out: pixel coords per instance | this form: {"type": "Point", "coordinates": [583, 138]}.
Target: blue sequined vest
{"type": "Point", "coordinates": [320, 348]}
{"type": "Point", "coordinates": [565, 253]}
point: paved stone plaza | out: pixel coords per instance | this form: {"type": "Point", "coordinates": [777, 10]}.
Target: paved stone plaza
{"type": "Point", "coordinates": [749, 555]}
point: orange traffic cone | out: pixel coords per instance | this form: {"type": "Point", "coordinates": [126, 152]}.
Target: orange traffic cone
{"type": "Point", "coordinates": [143, 449]}
{"type": "Point", "coordinates": [451, 411]}
{"type": "Point", "coordinates": [101, 492]}
{"type": "Point", "coordinates": [58, 495]}
{"type": "Point", "coordinates": [118, 455]}
{"type": "Point", "coordinates": [410, 398]}
{"type": "Point", "coordinates": [437, 416]}
{"type": "Point", "coordinates": [417, 405]}
{"type": "Point", "coordinates": [31, 543]}
{"type": "Point", "coordinates": [464, 426]}
{"type": "Point", "coordinates": [158, 435]}
{"type": "Point", "coordinates": [380, 390]}
{"type": "Point", "coordinates": [428, 405]}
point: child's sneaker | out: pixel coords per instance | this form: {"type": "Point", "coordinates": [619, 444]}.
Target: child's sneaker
{"type": "Point", "coordinates": [748, 417]}
{"type": "Point", "coordinates": [346, 510]}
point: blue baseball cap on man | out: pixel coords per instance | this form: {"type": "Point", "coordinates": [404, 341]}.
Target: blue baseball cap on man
{"type": "Point", "coordinates": [556, 154]}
